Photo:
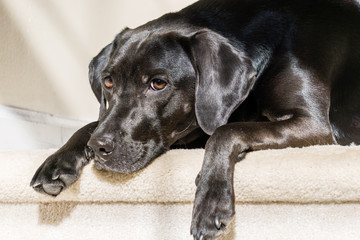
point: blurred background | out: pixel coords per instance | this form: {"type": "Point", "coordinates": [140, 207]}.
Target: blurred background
{"type": "Point", "coordinates": [46, 46]}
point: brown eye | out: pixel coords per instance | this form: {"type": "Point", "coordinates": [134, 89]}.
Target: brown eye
{"type": "Point", "coordinates": [158, 84]}
{"type": "Point", "coordinates": [108, 82]}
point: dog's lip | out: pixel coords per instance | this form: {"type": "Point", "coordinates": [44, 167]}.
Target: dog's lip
{"type": "Point", "coordinates": [99, 164]}
{"type": "Point", "coordinates": [99, 160]}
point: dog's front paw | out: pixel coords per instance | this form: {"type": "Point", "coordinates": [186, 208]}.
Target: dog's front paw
{"type": "Point", "coordinates": [58, 172]}
{"type": "Point", "coordinates": [213, 209]}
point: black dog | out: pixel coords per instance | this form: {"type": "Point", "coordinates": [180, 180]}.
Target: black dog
{"type": "Point", "coordinates": [250, 74]}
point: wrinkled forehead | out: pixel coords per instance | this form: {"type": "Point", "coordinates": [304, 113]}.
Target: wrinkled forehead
{"type": "Point", "coordinates": [138, 50]}
{"type": "Point", "coordinates": [126, 44]}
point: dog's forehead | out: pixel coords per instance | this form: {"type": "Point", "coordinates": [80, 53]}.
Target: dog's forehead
{"type": "Point", "coordinates": [127, 42]}
{"type": "Point", "coordinates": [145, 49]}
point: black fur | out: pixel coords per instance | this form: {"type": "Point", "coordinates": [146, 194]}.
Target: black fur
{"type": "Point", "coordinates": [237, 75]}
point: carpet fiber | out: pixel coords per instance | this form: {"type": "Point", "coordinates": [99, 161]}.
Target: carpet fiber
{"type": "Point", "coordinates": [307, 193]}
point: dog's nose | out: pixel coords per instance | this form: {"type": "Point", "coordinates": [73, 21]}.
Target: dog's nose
{"type": "Point", "coordinates": [101, 146]}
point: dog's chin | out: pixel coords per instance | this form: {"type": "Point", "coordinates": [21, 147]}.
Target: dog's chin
{"type": "Point", "coordinates": [120, 167]}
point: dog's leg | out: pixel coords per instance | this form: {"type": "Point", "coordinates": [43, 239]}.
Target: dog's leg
{"type": "Point", "coordinates": [63, 168]}
{"type": "Point", "coordinates": [214, 200]}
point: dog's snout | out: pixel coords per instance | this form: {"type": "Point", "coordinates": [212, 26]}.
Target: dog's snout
{"type": "Point", "coordinates": [102, 146]}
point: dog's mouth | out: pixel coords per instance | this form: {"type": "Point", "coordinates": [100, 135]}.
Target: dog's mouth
{"type": "Point", "coordinates": [121, 164]}
{"type": "Point", "coordinates": [101, 166]}
{"type": "Point", "coordinates": [124, 157]}
{"type": "Point", "coordinates": [126, 165]}
{"type": "Point", "coordinates": [99, 163]}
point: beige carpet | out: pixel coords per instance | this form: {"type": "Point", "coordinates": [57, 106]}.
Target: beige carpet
{"type": "Point", "coordinates": [308, 193]}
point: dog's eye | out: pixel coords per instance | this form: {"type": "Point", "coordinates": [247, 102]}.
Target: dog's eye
{"type": "Point", "coordinates": [108, 82]}
{"type": "Point", "coordinates": [158, 84]}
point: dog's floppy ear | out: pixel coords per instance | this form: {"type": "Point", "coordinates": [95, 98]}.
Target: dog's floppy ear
{"type": "Point", "coordinates": [96, 66]}
{"type": "Point", "coordinates": [224, 78]}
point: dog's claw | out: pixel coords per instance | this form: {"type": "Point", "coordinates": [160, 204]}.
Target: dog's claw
{"type": "Point", "coordinates": [197, 180]}
{"type": "Point", "coordinates": [217, 223]}
{"type": "Point", "coordinates": [36, 186]}
{"type": "Point", "coordinates": [201, 237]}
{"type": "Point", "coordinates": [56, 177]}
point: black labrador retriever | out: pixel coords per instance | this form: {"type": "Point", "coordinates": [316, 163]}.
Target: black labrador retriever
{"type": "Point", "coordinates": [238, 75]}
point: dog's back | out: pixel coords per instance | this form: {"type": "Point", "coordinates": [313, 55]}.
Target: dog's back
{"type": "Point", "coordinates": [323, 34]}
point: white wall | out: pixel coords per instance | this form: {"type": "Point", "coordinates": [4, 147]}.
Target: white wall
{"type": "Point", "coordinates": [45, 49]}
{"type": "Point", "coordinates": [46, 46]}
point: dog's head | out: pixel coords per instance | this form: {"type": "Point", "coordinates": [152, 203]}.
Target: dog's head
{"type": "Point", "coordinates": [157, 86]}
